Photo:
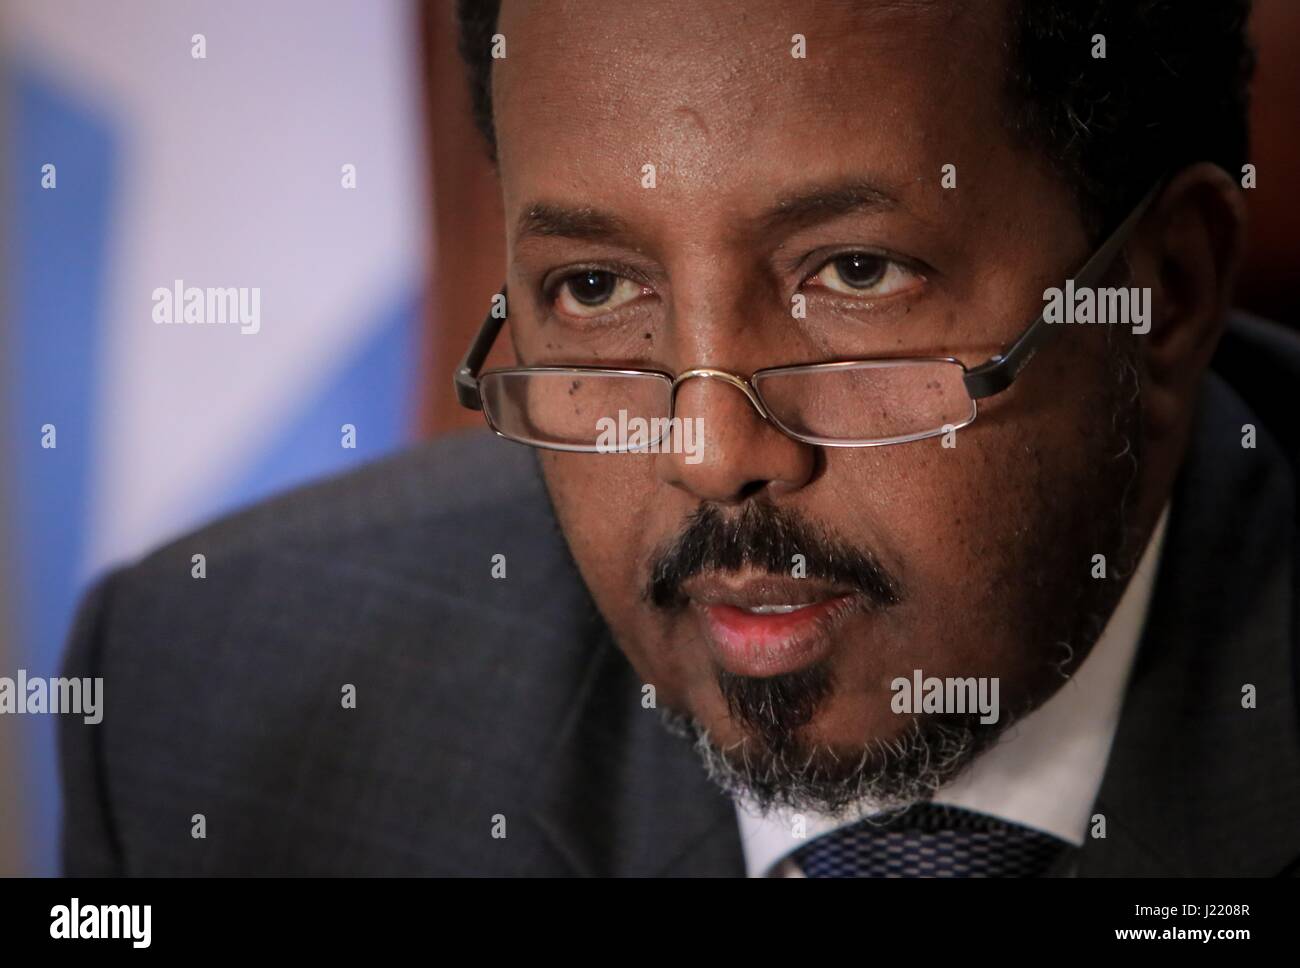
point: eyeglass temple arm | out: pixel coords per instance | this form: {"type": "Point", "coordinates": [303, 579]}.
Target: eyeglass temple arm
{"type": "Point", "coordinates": [466, 378]}
{"type": "Point", "coordinates": [1000, 372]}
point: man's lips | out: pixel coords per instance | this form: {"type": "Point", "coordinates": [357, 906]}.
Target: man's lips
{"type": "Point", "coordinates": [767, 625]}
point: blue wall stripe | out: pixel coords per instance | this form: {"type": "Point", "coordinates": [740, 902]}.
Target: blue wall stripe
{"type": "Point", "coordinates": [57, 247]}
{"type": "Point", "coordinates": [373, 390]}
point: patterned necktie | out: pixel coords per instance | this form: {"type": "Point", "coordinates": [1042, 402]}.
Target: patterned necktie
{"type": "Point", "coordinates": [930, 840]}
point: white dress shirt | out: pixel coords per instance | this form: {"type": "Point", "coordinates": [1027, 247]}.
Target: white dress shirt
{"type": "Point", "coordinates": [1044, 772]}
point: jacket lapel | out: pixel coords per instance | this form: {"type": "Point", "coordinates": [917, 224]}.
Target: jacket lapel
{"type": "Point", "coordinates": [619, 796]}
{"type": "Point", "coordinates": [1196, 784]}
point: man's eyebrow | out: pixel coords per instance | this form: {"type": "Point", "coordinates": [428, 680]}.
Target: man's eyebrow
{"type": "Point", "coordinates": [820, 203]}
{"type": "Point", "coordinates": [548, 219]}
{"type": "Point", "coordinates": [804, 207]}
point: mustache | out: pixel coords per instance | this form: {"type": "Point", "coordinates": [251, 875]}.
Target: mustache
{"type": "Point", "coordinates": [765, 538]}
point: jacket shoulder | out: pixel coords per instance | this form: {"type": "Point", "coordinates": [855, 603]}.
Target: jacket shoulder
{"type": "Point", "coordinates": [456, 483]}
{"type": "Point", "coordinates": [1260, 360]}
{"type": "Point", "coordinates": [323, 689]}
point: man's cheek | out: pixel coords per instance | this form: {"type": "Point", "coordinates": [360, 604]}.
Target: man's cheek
{"type": "Point", "coordinates": [927, 509]}
{"type": "Point", "coordinates": [599, 502]}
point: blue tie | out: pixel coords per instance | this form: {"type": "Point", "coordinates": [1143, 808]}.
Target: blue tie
{"type": "Point", "coordinates": [930, 840]}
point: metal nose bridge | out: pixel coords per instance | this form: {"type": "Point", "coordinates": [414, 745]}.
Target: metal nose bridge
{"type": "Point", "coordinates": [707, 373]}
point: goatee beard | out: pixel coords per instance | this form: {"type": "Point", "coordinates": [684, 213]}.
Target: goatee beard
{"type": "Point", "coordinates": [773, 767]}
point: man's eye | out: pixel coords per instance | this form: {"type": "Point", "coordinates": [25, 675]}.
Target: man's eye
{"type": "Point", "coordinates": [862, 273]}
{"type": "Point", "coordinates": [594, 291]}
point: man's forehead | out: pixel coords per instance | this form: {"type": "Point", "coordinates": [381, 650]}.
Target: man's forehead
{"type": "Point", "coordinates": [706, 57]}
{"type": "Point", "coordinates": [716, 96]}
{"type": "Point", "coordinates": [728, 16]}
{"type": "Point", "coordinates": [671, 27]}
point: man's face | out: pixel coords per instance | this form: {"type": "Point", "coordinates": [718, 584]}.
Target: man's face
{"type": "Point", "coordinates": [965, 556]}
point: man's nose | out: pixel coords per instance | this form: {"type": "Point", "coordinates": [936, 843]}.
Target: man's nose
{"type": "Point", "coordinates": [737, 454]}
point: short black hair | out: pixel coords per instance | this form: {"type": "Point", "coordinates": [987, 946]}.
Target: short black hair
{"type": "Point", "coordinates": [1172, 90]}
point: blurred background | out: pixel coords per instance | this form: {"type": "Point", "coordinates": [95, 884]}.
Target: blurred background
{"type": "Point", "coordinates": [229, 171]}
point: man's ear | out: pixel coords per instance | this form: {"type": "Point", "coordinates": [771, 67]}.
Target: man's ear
{"type": "Point", "coordinates": [1188, 250]}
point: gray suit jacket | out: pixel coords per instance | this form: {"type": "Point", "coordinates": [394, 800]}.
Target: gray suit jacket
{"type": "Point", "coordinates": [480, 699]}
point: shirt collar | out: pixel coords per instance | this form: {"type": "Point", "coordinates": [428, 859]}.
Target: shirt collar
{"type": "Point", "coordinates": [1044, 772]}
